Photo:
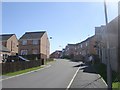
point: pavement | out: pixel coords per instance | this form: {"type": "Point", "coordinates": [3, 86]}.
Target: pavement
{"type": "Point", "coordinates": [59, 75]}
{"type": "Point", "coordinates": [88, 78]}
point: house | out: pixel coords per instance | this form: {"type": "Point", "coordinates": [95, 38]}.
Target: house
{"type": "Point", "coordinates": [56, 54]}
{"type": "Point", "coordinates": [10, 41]}
{"type": "Point", "coordinates": [34, 45]}
{"type": "Point", "coordinates": [86, 47]}
{"type": "Point", "coordinates": [77, 52]}
{"type": "Point", "coordinates": [80, 50]}
{"type": "Point", "coordinates": [109, 38]}
{"type": "Point", "coordinates": [4, 53]}
{"type": "Point", "coordinates": [99, 35]}
{"type": "Point", "coordinates": [69, 50]}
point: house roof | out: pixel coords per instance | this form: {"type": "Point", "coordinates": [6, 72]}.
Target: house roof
{"type": "Point", "coordinates": [56, 52]}
{"type": "Point", "coordinates": [71, 44]}
{"type": "Point", "coordinates": [4, 49]}
{"type": "Point", "coordinates": [33, 35]}
{"type": "Point", "coordinates": [88, 38]}
{"type": "Point", "coordinates": [5, 36]}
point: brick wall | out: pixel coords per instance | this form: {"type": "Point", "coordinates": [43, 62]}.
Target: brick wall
{"type": "Point", "coordinates": [12, 45]}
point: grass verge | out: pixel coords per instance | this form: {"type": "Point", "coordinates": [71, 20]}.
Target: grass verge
{"type": "Point", "coordinates": [28, 70]}
{"type": "Point", "coordinates": [49, 60]}
{"type": "Point", "coordinates": [116, 85]}
{"type": "Point", "coordinates": [22, 71]}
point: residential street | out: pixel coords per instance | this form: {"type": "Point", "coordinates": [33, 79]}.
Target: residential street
{"type": "Point", "coordinates": [59, 75]}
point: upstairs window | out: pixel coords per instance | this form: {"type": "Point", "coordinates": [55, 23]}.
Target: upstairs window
{"type": "Point", "coordinates": [86, 44]}
{"type": "Point", "coordinates": [35, 42]}
{"type": "Point", "coordinates": [24, 42]}
{"type": "Point", "coordinates": [75, 48]}
{"type": "Point", "coordinates": [81, 45]}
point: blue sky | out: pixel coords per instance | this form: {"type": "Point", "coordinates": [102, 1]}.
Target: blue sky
{"type": "Point", "coordinates": [69, 22]}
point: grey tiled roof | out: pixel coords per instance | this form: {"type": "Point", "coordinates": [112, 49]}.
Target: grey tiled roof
{"type": "Point", "coordinates": [4, 49]}
{"type": "Point", "coordinates": [88, 39]}
{"type": "Point", "coordinates": [32, 35]}
{"type": "Point", "coordinates": [5, 36]}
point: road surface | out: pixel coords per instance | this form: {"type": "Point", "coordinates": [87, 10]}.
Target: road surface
{"type": "Point", "coordinates": [58, 75]}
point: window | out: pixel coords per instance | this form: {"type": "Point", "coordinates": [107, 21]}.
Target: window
{"type": "Point", "coordinates": [35, 42]}
{"type": "Point", "coordinates": [24, 42]}
{"type": "Point", "coordinates": [35, 51]}
{"type": "Point", "coordinates": [86, 44]}
{"type": "Point", "coordinates": [68, 48]}
{"type": "Point", "coordinates": [81, 45]}
{"type": "Point", "coordinates": [24, 52]}
{"type": "Point", "coordinates": [75, 48]}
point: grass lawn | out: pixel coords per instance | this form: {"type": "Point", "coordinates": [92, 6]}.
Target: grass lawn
{"type": "Point", "coordinates": [22, 71]}
{"type": "Point", "coordinates": [116, 85]}
{"type": "Point", "coordinates": [49, 60]}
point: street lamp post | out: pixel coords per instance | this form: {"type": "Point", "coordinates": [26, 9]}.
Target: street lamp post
{"type": "Point", "coordinates": [109, 71]}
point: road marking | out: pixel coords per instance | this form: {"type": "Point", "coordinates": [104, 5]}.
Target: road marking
{"type": "Point", "coordinates": [72, 79]}
{"type": "Point", "coordinates": [26, 73]}
{"type": "Point", "coordinates": [103, 80]}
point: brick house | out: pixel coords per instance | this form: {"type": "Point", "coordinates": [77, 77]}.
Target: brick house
{"type": "Point", "coordinates": [77, 52]}
{"type": "Point", "coordinates": [80, 50]}
{"type": "Point", "coordinates": [56, 54]}
{"type": "Point", "coordinates": [10, 41]}
{"type": "Point", "coordinates": [86, 47]}
{"type": "Point", "coordinates": [35, 44]}
{"type": "Point", "coordinates": [69, 50]}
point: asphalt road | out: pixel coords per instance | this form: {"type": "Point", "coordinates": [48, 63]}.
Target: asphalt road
{"type": "Point", "coordinates": [58, 75]}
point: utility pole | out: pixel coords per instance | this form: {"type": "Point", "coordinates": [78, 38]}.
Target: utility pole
{"type": "Point", "coordinates": [109, 71]}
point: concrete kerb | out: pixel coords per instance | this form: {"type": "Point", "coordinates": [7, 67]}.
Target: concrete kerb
{"type": "Point", "coordinates": [102, 80]}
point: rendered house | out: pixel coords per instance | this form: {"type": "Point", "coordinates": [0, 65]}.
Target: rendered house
{"type": "Point", "coordinates": [35, 44]}
{"type": "Point", "coordinates": [108, 36]}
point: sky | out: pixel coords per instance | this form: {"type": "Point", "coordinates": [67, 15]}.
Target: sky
{"type": "Point", "coordinates": [65, 22]}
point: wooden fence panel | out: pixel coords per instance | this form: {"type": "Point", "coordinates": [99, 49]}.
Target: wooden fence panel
{"type": "Point", "coordinates": [17, 66]}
